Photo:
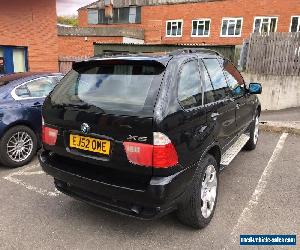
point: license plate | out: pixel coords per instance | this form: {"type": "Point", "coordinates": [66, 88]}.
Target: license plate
{"type": "Point", "coordinates": [90, 144]}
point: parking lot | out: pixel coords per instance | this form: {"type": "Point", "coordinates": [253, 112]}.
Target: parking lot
{"type": "Point", "coordinates": [259, 194]}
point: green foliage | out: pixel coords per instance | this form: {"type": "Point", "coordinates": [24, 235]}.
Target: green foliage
{"type": "Point", "coordinates": [68, 20]}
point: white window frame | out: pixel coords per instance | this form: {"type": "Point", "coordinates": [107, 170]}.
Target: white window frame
{"type": "Point", "coordinates": [201, 20]}
{"type": "Point", "coordinates": [230, 19]}
{"type": "Point", "coordinates": [263, 17]}
{"type": "Point", "coordinates": [177, 21]}
{"type": "Point", "coordinates": [298, 27]}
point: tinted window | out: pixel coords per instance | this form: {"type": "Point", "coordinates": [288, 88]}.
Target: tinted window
{"type": "Point", "coordinates": [189, 86]}
{"type": "Point", "coordinates": [217, 78]}
{"type": "Point", "coordinates": [234, 78]}
{"type": "Point", "coordinates": [208, 88]}
{"type": "Point", "coordinates": [117, 87]}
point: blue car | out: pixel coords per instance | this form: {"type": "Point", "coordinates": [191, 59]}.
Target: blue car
{"type": "Point", "coordinates": [21, 98]}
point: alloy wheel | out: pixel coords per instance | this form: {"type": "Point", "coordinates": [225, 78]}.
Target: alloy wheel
{"type": "Point", "coordinates": [209, 191]}
{"type": "Point", "coordinates": [19, 146]}
{"type": "Point", "coordinates": [256, 130]}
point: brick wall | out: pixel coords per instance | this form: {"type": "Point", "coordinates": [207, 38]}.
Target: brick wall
{"type": "Point", "coordinates": [154, 19]}
{"type": "Point", "coordinates": [32, 24]}
{"type": "Point", "coordinates": [78, 46]}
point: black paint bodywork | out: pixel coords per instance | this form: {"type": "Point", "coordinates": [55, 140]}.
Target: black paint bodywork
{"type": "Point", "coordinates": [114, 183]}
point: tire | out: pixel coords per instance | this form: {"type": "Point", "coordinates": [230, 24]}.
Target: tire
{"type": "Point", "coordinates": [190, 208]}
{"type": "Point", "coordinates": [254, 134]}
{"type": "Point", "coordinates": [15, 155]}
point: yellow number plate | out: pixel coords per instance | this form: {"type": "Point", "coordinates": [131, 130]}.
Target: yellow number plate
{"type": "Point", "coordinates": [90, 144]}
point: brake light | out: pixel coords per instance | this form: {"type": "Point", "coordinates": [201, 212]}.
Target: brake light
{"type": "Point", "coordinates": [49, 135]}
{"type": "Point", "coordinates": [162, 154]}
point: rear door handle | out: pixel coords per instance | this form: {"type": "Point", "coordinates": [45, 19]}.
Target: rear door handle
{"type": "Point", "coordinates": [214, 115]}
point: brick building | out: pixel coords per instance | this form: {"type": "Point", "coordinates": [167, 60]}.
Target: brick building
{"type": "Point", "coordinates": [216, 22]}
{"type": "Point", "coordinates": [28, 36]}
{"type": "Point", "coordinates": [78, 42]}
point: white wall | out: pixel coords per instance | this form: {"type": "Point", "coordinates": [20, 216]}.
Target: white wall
{"type": "Point", "coordinates": [129, 40]}
{"type": "Point", "coordinates": [279, 92]}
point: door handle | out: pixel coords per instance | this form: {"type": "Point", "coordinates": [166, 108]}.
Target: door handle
{"type": "Point", "coordinates": [214, 115]}
{"type": "Point", "coordinates": [238, 106]}
{"type": "Point", "coordinates": [37, 105]}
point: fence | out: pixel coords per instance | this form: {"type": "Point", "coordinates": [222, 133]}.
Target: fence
{"type": "Point", "coordinates": [274, 54]}
{"type": "Point", "coordinates": [65, 63]}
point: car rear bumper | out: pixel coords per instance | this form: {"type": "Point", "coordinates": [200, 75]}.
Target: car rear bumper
{"type": "Point", "coordinates": [158, 197]}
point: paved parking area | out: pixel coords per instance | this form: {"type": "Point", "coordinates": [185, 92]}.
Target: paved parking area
{"type": "Point", "coordinates": [259, 194]}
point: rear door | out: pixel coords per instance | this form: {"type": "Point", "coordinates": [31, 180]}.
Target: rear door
{"type": "Point", "coordinates": [192, 117]}
{"type": "Point", "coordinates": [220, 107]}
{"type": "Point", "coordinates": [105, 102]}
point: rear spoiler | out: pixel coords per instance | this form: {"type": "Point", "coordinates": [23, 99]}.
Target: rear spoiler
{"type": "Point", "coordinates": [83, 65]}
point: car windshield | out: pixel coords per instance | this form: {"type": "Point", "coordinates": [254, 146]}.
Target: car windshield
{"type": "Point", "coordinates": [122, 87]}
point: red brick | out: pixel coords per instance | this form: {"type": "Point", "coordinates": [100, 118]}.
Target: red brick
{"type": "Point", "coordinates": [154, 19]}
{"type": "Point", "coordinates": [78, 46]}
{"type": "Point", "coordinates": [32, 24]}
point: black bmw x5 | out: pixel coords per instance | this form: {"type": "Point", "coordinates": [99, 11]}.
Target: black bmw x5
{"type": "Point", "coordinates": [144, 135]}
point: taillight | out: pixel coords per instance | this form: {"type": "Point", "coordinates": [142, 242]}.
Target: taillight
{"type": "Point", "coordinates": [49, 135]}
{"type": "Point", "coordinates": [162, 154]}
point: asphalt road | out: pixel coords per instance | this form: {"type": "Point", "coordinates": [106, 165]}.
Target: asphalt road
{"type": "Point", "coordinates": [34, 216]}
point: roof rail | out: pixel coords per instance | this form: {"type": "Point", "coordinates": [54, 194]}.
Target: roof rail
{"type": "Point", "coordinates": [192, 50]}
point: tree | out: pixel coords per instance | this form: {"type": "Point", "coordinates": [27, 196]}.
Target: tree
{"type": "Point", "coordinates": [68, 20]}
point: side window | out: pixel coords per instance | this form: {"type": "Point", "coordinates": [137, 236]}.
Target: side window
{"type": "Point", "coordinates": [37, 88]}
{"type": "Point", "coordinates": [55, 79]}
{"type": "Point", "coordinates": [234, 79]}
{"type": "Point", "coordinates": [22, 91]}
{"type": "Point", "coordinates": [208, 88]}
{"type": "Point", "coordinates": [217, 78]}
{"type": "Point", "coordinates": [189, 86]}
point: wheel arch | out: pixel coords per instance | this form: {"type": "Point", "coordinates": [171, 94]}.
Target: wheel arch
{"type": "Point", "coordinates": [215, 151]}
{"type": "Point", "coordinates": [20, 123]}
{"type": "Point", "coordinates": [26, 124]}
{"type": "Point", "coordinates": [258, 109]}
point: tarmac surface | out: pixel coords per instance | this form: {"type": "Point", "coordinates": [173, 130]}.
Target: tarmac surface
{"type": "Point", "coordinates": [259, 194]}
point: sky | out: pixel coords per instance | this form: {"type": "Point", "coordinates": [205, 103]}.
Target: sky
{"type": "Point", "coordinates": [70, 7]}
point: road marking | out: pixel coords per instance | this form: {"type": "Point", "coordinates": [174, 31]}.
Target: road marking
{"type": "Point", "coordinates": [260, 188]}
{"type": "Point", "coordinates": [28, 171]}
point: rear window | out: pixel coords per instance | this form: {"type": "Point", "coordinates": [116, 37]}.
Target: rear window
{"type": "Point", "coordinates": [116, 86]}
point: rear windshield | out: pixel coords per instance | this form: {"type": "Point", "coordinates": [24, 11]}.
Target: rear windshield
{"type": "Point", "coordinates": [121, 87]}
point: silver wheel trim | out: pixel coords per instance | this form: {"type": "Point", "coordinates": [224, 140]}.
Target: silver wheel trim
{"type": "Point", "coordinates": [256, 130]}
{"type": "Point", "coordinates": [19, 146]}
{"type": "Point", "coordinates": [209, 191]}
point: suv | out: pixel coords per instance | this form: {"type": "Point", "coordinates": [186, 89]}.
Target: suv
{"type": "Point", "coordinates": [144, 135]}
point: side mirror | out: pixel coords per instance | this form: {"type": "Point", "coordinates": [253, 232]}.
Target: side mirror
{"type": "Point", "coordinates": [255, 88]}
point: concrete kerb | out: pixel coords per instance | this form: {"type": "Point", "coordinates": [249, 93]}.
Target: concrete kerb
{"type": "Point", "coordinates": [280, 127]}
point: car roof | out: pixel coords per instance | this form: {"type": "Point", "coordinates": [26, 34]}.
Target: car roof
{"type": "Point", "coordinates": [22, 77]}
{"type": "Point", "coordinates": [162, 57]}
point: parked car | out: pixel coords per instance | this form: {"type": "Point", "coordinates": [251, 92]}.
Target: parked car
{"type": "Point", "coordinates": [21, 98]}
{"type": "Point", "coordinates": [146, 135]}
